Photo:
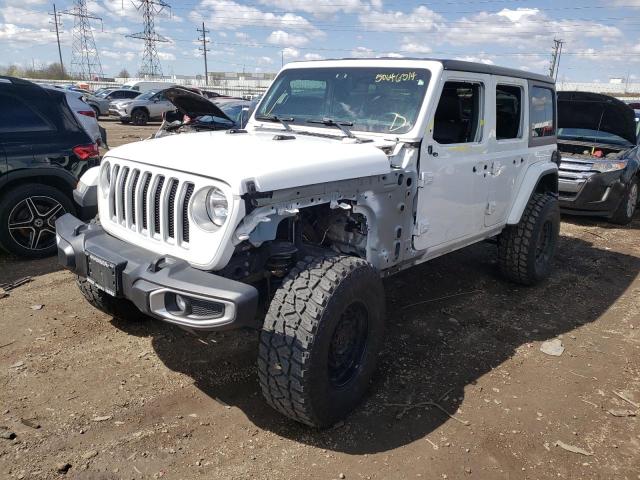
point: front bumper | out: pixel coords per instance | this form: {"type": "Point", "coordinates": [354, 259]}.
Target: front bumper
{"type": "Point", "coordinates": [152, 281]}
{"type": "Point", "coordinates": [598, 195]}
{"type": "Point", "coordinates": [121, 114]}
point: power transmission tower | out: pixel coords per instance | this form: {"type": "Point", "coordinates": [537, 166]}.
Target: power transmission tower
{"type": "Point", "coordinates": [204, 49]}
{"type": "Point", "coordinates": [58, 25]}
{"type": "Point", "coordinates": [555, 58]}
{"type": "Point", "coordinates": [150, 66]}
{"type": "Point", "coordinates": [85, 61]}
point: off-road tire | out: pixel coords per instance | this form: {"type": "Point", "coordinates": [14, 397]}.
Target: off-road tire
{"type": "Point", "coordinates": [14, 198]}
{"type": "Point", "coordinates": [526, 250]}
{"type": "Point", "coordinates": [298, 338]}
{"type": "Point", "coordinates": [116, 307]}
{"type": "Point", "coordinates": [624, 214]}
{"type": "Point", "coordinates": [139, 116]}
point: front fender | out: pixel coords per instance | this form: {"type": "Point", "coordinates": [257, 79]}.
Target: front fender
{"type": "Point", "coordinates": [533, 176]}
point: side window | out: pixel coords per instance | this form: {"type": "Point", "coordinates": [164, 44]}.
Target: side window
{"type": "Point", "coordinates": [457, 118]}
{"type": "Point", "coordinates": [129, 94]}
{"type": "Point", "coordinates": [541, 115]}
{"type": "Point", "coordinates": [17, 116]}
{"type": "Point", "coordinates": [508, 112]}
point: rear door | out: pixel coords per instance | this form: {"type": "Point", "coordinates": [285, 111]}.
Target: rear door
{"type": "Point", "coordinates": [509, 143]}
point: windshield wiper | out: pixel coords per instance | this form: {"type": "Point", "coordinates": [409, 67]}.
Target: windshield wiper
{"type": "Point", "coordinates": [274, 118]}
{"type": "Point", "coordinates": [330, 122]}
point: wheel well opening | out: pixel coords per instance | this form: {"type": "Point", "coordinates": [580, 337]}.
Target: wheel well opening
{"type": "Point", "coordinates": [548, 184]}
{"type": "Point", "coordinates": [49, 180]}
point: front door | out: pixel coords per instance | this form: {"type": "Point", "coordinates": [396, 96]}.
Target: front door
{"type": "Point", "coordinates": [454, 163]}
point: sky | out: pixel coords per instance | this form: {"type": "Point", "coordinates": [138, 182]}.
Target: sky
{"type": "Point", "coordinates": [602, 37]}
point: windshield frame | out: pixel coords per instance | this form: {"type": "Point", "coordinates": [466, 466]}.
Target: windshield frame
{"type": "Point", "coordinates": [432, 68]}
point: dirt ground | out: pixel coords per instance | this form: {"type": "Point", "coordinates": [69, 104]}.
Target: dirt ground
{"type": "Point", "coordinates": [463, 389]}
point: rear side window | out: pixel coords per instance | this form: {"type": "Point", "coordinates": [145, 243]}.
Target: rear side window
{"type": "Point", "coordinates": [458, 114]}
{"type": "Point", "coordinates": [129, 94]}
{"type": "Point", "coordinates": [17, 116]}
{"type": "Point", "coordinates": [508, 112]}
{"type": "Point", "coordinates": [542, 115]}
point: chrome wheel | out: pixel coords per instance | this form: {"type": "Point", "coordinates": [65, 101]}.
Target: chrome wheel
{"type": "Point", "coordinates": [32, 221]}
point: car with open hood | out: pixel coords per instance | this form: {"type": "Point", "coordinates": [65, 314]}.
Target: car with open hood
{"type": "Point", "coordinates": [195, 113]}
{"type": "Point", "coordinates": [348, 171]}
{"type": "Point", "coordinates": [598, 140]}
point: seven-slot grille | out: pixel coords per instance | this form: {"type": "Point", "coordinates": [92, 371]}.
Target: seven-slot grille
{"type": "Point", "coordinates": [153, 204]}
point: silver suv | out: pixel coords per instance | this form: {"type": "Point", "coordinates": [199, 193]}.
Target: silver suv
{"type": "Point", "coordinates": [140, 110]}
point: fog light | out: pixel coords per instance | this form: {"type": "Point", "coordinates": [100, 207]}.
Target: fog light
{"type": "Point", "coordinates": [183, 305]}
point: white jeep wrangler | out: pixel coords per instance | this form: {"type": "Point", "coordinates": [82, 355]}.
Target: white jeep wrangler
{"type": "Point", "coordinates": [348, 171]}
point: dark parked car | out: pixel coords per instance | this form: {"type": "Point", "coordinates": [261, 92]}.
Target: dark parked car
{"type": "Point", "coordinates": [598, 141]}
{"type": "Point", "coordinates": [43, 152]}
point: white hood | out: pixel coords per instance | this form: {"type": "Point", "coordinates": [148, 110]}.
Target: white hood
{"type": "Point", "coordinates": [255, 155]}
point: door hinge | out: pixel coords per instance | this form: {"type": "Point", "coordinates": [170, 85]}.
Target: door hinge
{"type": "Point", "coordinates": [425, 179]}
{"type": "Point", "coordinates": [421, 228]}
{"type": "Point", "coordinates": [491, 208]}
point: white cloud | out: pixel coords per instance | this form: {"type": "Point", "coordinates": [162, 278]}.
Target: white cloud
{"type": "Point", "coordinates": [265, 60]}
{"type": "Point", "coordinates": [411, 46]}
{"type": "Point", "coordinates": [421, 19]}
{"type": "Point", "coordinates": [319, 8]}
{"type": "Point", "coordinates": [313, 56]}
{"type": "Point", "coordinates": [230, 15]}
{"type": "Point", "coordinates": [290, 53]}
{"type": "Point", "coordinates": [362, 52]}
{"type": "Point", "coordinates": [166, 56]}
{"type": "Point", "coordinates": [392, 55]}
{"type": "Point", "coordinates": [280, 37]}
{"type": "Point", "coordinates": [524, 27]}
{"type": "Point", "coordinates": [477, 59]}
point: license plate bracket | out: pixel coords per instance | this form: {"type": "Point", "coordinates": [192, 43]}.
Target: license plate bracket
{"type": "Point", "coordinates": [105, 275]}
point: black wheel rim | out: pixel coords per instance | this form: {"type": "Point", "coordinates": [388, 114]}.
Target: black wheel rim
{"type": "Point", "coordinates": [32, 222]}
{"type": "Point", "coordinates": [545, 243]}
{"type": "Point", "coordinates": [138, 117]}
{"type": "Point", "coordinates": [348, 344]}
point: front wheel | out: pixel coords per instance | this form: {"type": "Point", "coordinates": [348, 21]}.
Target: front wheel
{"type": "Point", "coordinates": [321, 337]}
{"type": "Point", "coordinates": [115, 307]}
{"type": "Point", "coordinates": [624, 214]}
{"type": "Point", "coordinates": [28, 215]}
{"type": "Point", "coordinates": [139, 117]}
{"type": "Point", "coordinates": [526, 250]}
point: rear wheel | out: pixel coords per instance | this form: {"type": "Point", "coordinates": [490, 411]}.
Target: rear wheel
{"type": "Point", "coordinates": [139, 117]}
{"type": "Point", "coordinates": [526, 250]}
{"type": "Point", "coordinates": [321, 337]}
{"type": "Point", "coordinates": [28, 214]}
{"type": "Point", "coordinates": [624, 214]}
{"type": "Point", "coordinates": [96, 110]}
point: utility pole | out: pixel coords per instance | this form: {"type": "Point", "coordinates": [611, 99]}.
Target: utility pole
{"type": "Point", "coordinates": [554, 67]}
{"type": "Point", "coordinates": [85, 61]}
{"type": "Point", "coordinates": [150, 66]}
{"type": "Point", "coordinates": [204, 49]}
{"type": "Point", "coordinates": [58, 23]}
{"type": "Point", "coordinates": [281, 58]}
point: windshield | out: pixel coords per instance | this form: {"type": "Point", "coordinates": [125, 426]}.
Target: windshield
{"type": "Point", "coordinates": [146, 96]}
{"type": "Point", "coordinates": [381, 100]}
{"type": "Point", "coordinates": [587, 135]}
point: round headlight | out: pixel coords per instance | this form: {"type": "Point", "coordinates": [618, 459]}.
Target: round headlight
{"type": "Point", "coordinates": [105, 177]}
{"type": "Point", "coordinates": [209, 208]}
{"type": "Point", "coordinates": [217, 206]}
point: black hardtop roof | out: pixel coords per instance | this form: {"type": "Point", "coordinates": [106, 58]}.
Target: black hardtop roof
{"type": "Point", "coordinates": [463, 66]}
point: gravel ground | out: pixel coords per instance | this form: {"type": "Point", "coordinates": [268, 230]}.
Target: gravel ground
{"type": "Point", "coordinates": [463, 389]}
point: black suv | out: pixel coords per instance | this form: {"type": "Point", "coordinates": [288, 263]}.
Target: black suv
{"type": "Point", "coordinates": [43, 152]}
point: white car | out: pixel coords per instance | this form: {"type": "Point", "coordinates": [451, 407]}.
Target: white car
{"type": "Point", "coordinates": [348, 171]}
{"type": "Point", "coordinates": [85, 114]}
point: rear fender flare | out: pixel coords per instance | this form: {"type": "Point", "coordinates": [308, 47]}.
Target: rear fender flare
{"type": "Point", "coordinates": [539, 177]}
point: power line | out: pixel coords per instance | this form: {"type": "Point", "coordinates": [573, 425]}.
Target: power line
{"type": "Point", "coordinates": [555, 58]}
{"type": "Point", "coordinates": [204, 49]}
{"type": "Point", "coordinates": [57, 24]}
{"type": "Point", "coordinates": [85, 61]}
{"type": "Point", "coordinates": [150, 66]}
